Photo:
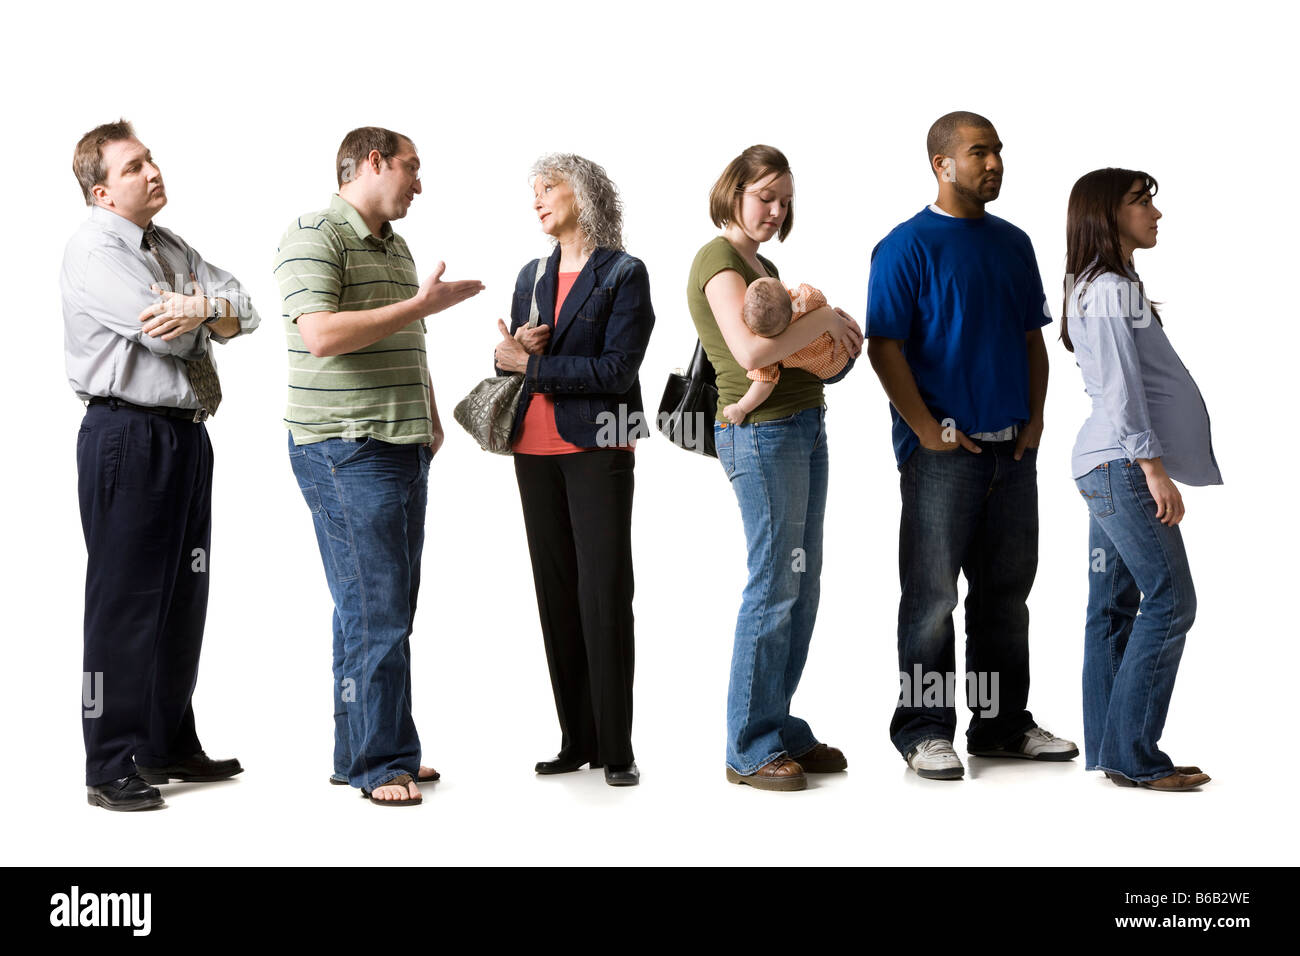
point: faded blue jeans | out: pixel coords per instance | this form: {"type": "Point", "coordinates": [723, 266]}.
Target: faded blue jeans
{"type": "Point", "coordinates": [1135, 563]}
{"type": "Point", "coordinates": [367, 501]}
{"type": "Point", "coordinates": [778, 470]}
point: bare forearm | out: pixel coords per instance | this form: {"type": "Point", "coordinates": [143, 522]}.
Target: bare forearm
{"type": "Point", "coordinates": [1038, 372]}
{"type": "Point", "coordinates": [758, 393]}
{"type": "Point", "coordinates": [760, 351]}
{"type": "Point", "coordinates": [896, 378]}
{"type": "Point", "coordinates": [337, 333]}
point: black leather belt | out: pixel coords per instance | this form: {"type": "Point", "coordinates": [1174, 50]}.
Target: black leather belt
{"type": "Point", "coordinates": [187, 414]}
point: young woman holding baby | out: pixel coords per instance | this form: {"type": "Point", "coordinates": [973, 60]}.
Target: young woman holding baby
{"type": "Point", "coordinates": [777, 463]}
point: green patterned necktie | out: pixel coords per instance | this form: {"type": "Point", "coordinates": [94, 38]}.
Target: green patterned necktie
{"type": "Point", "coordinates": [202, 373]}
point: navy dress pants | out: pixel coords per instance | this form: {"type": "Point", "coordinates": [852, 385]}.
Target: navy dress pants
{"type": "Point", "coordinates": [145, 485]}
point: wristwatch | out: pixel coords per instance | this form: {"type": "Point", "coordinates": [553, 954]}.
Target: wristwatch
{"type": "Point", "coordinates": [216, 312]}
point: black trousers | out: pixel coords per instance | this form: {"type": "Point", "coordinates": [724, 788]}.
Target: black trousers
{"type": "Point", "coordinates": [578, 516]}
{"type": "Point", "coordinates": [145, 484]}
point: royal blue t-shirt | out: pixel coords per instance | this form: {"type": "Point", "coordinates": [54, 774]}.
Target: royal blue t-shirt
{"type": "Point", "coordinates": [961, 294]}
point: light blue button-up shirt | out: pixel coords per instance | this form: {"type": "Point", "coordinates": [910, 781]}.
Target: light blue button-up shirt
{"type": "Point", "coordinates": [107, 271]}
{"type": "Point", "coordinates": [1144, 402]}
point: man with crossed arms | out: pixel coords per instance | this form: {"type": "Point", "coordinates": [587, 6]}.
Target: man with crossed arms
{"type": "Point", "coordinates": [141, 309]}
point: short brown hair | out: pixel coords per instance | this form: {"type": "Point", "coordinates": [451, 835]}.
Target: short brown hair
{"type": "Point", "coordinates": [88, 157]}
{"type": "Point", "coordinates": [359, 143]}
{"type": "Point", "coordinates": [753, 165]}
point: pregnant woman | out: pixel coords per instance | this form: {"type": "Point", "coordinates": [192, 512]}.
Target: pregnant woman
{"type": "Point", "coordinates": [1148, 428]}
{"type": "Point", "coordinates": [777, 464]}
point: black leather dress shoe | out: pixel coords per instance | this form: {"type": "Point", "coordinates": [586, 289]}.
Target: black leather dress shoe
{"type": "Point", "coordinates": [124, 793]}
{"type": "Point", "coordinates": [197, 769]}
{"type": "Point", "coordinates": [563, 764]}
{"type": "Point", "coordinates": [627, 776]}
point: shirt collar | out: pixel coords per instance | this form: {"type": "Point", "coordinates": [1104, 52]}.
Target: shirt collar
{"type": "Point", "coordinates": [349, 212]}
{"type": "Point", "coordinates": [110, 221]}
{"type": "Point", "coordinates": [1094, 264]}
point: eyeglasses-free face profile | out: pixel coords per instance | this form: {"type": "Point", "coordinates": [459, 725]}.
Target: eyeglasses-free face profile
{"type": "Point", "coordinates": [579, 363]}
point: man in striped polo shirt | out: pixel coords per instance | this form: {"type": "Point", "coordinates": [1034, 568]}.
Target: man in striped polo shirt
{"type": "Point", "coordinates": [363, 427]}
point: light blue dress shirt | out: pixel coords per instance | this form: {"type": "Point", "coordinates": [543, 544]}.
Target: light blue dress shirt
{"type": "Point", "coordinates": [107, 271]}
{"type": "Point", "coordinates": [1144, 402]}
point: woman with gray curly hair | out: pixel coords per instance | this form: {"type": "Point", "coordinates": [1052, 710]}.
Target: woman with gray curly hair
{"type": "Point", "coordinates": [578, 419]}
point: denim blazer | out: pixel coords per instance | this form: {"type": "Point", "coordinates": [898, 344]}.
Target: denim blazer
{"type": "Point", "coordinates": [590, 367]}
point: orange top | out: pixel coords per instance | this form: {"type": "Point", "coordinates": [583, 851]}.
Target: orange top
{"type": "Point", "coordinates": [815, 357]}
{"type": "Point", "coordinates": [538, 434]}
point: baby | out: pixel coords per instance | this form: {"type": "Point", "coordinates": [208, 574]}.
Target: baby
{"type": "Point", "coordinates": [769, 309]}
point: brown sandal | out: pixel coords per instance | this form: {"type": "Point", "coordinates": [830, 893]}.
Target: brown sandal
{"type": "Point", "coordinates": [402, 781]}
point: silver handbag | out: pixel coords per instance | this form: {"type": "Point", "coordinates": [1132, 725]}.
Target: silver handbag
{"type": "Point", "coordinates": [488, 411]}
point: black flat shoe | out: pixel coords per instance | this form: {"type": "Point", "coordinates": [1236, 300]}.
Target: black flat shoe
{"type": "Point", "coordinates": [564, 765]}
{"type": "Point", "coordinates": [627, 776]}
{"type": "Point", "coordinates": [124, 793]}
{"type": "Point", "coordinates": [197, 769]}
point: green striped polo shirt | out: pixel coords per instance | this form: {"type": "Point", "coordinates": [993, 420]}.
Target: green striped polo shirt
{"type": "Point", "coordinates": [329, 261]}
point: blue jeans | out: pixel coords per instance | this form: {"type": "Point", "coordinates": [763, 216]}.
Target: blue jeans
{"type": "Point", "coordinates": [975, 514]}
{"type": "Point", "coordinates": [367, 500]}
{"type": "Point", "coordinates": [1136, 563]}
{"type": "Point", "coordinates": [778, 470]}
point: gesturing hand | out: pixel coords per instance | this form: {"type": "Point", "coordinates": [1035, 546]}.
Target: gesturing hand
{"type": "Point", "coordinates": [510, 355]}
{"type": "Point", "coordinates": [174, 314]}
{"type": "Point", "coordinates": [436, 295]}
{"type": "Point", "coordinates": [533, 339]}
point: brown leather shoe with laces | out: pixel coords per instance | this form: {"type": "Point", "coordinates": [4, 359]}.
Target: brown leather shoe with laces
{"type": "Point", "coordinates": [823, 759]}
{"type": "Point", "coordinates": [779, 774]}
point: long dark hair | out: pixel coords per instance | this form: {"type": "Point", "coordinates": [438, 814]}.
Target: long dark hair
{"type": "Point", "coordinates": [1092, 245]}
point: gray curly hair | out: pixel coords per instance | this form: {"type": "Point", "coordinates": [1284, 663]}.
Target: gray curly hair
{"type": "Point", "coordinates": [600, 211]}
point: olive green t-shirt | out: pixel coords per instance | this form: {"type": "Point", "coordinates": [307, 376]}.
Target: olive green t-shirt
{"type": "Point", "coordinates": [798, 389]}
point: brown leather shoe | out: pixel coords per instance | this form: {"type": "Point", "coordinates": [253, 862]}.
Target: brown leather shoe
{"type": "Point", "coordinates": [779, 774]}
{"type": "Point", "coordinates": [823, 759]}
{"type": "Point", "coordinates": [1175, 782]}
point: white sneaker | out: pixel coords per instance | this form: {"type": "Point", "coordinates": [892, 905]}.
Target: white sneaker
{"type": "Point", "coordinates": [1035, 744]}
{"type": "Point", "coordinates": [935, 759]}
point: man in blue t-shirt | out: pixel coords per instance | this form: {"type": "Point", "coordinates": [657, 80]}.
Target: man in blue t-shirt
{"type": "Point", "coordinates": [955, 308]}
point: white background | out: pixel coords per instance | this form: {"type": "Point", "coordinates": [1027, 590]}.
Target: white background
{"type": "Point", "coordinates": [244, 106]}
